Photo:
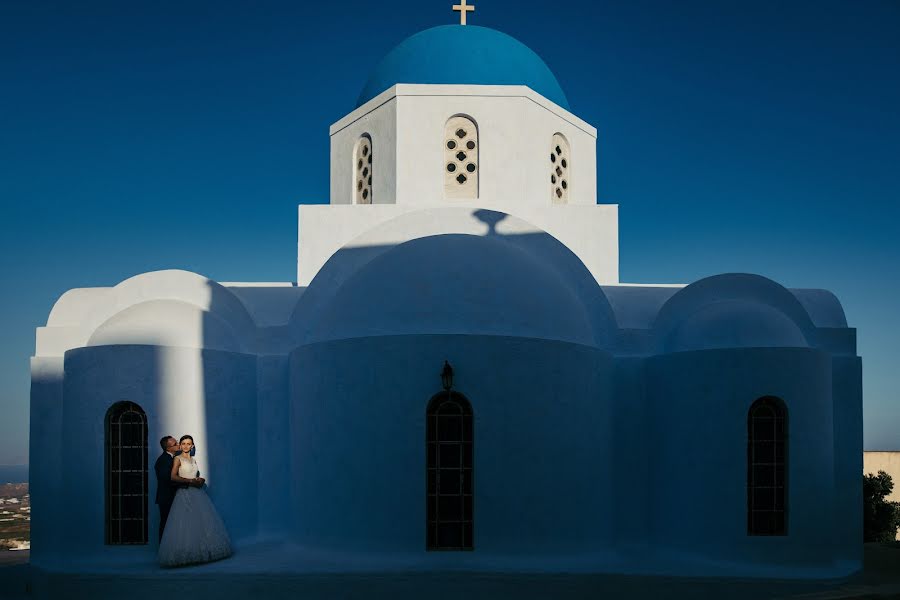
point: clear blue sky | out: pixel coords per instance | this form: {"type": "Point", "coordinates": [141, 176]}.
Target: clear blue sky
{"type": "Point", "coordinates": [735, 136]}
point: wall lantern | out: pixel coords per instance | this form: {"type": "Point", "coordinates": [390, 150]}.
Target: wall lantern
{"type": "Point", "coordinates": [447, 376]}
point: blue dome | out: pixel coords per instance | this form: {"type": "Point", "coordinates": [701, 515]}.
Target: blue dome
{"type": "Point", "coordinates": [463, 54]}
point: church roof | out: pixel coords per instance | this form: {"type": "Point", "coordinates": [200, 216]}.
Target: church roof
{"type": "Point", "coordinates": [448, 284]}
{"type": "Point", "coordinates": [464, 55]}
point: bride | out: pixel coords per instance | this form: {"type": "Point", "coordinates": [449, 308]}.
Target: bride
{"type": "Point", "coordinates": [194, 532]}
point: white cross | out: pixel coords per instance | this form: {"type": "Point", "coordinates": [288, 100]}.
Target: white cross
{"type": "Point", "coordinates": [463, 9]}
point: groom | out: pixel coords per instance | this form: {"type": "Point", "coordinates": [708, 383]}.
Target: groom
{"type": "Point", "coordinates": [165, 487]}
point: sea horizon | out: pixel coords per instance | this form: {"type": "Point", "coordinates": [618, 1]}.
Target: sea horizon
{"type": "Point", "coordinates": [13, 474]}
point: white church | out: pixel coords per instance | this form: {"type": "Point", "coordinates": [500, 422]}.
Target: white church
{"type": "Point", "coordinates": [457, 381]}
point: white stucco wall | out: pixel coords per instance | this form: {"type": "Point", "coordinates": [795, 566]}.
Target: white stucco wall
{"type": "Point", "coordinates": [380, 122]}
{"type": "Point", "coordinates": [591, 232]}
{"type": "Point", "coordinates": [171, 307]}
{"type": "Point", "coordinates": [847, 396]}
{"type": "Point", "coordinates": [697, 406]}
{"type": "Point", "coordinates": [542, 458]}
{"type": "Point", "coordinates": [514, 133]}
{"type": "Point", "coordinates": [208, 394]}
{"type": "Point", "coordinates": [515, 129]}
{"type": "Point", "coordinates": [45, 453]}
{"type": "Point", "coordinates": [551, 402]}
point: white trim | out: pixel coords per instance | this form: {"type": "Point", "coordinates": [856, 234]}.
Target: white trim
{"type": "Point", "coordinates": [419, 89]}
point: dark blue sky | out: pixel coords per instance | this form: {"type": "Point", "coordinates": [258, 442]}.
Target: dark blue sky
{"type": "Point", "coordinates": [735, 136]}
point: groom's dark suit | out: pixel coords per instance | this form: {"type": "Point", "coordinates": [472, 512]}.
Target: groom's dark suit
{"type": "Point", "coordinates": [165, 488]}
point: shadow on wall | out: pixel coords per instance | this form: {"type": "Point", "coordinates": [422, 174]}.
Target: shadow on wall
{"type": "Point", "coordinates": [446, 282]}
{"type": "Point", "coordinates": [255, 450]}
{"type": "Point", "coordinates": [186, 368]}
{"type": "Point", "coordinates": [490, 218]}
{"type": "Point", "coordinates": [214, 399]}
{"type": "Point", "coordinates": [520, 316]}
{"type": "Point", "coordinates": [492, 293]}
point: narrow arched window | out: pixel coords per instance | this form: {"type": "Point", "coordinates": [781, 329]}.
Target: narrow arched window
{"type": "Point", "coordinates": [362, 170]}
{"type": "Point", "coordinates": [449, 459]}
{"type": "Point", "coordinates": [560, 165]}
{"type": "Point", "coordinates": [460, 158]}
{"type": "Point", "coordinates": [126, 474]}
{"type": "Point", "coordinates": [766, 467]}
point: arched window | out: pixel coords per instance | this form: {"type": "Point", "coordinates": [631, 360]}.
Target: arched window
{"type": "Point", "coordinates": [449, 458]}
{"type": "Point", "coordinates": [126, 474]}
{"type": "Point", "coordinates": [766, 467]}
{"type": "Point", "coordinates": [560, 165]}
{"type": "Point", "coordinates": [362, 170]}
{"type": "Point", "coordinates": [460, 158]}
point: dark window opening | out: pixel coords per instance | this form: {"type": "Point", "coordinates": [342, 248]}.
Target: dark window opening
{"type": "Point", "coordinates": [766, 467]}
{"type": "Point", "coordinates": [449, 460]}
{"type": "Point", "coordinates": [126, 474]}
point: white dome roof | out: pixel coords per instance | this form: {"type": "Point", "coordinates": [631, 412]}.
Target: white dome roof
{"type": "Point", "coordinates": [480, 285]}
{"type": "Point", "coordinates": [166, 323]}
{"type": "Point", "coordinates": [736, 324]}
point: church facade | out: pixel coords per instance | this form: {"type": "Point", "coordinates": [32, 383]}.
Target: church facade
{"type": "Point", "coordinates": [458, 379]}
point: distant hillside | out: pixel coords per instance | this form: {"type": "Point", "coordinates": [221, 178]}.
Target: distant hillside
{"type": "Point", "coordinates": [13, 474]}
{"type": "Point", "coordinates": [13, 490]}
{"type": "Point", "coordinates": [15, 516]}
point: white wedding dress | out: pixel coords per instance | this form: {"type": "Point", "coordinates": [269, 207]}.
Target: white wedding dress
{"type": "Point", "coordinates": [194, 532]}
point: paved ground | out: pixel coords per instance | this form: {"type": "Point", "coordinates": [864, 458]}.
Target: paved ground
{"type": "Point", "coordinates": [880, 579]}
{"type": "Point", "coordinates": [14, 574]}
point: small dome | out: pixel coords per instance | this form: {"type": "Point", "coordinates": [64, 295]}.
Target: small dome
{"type": "Point", "coordinates": [166, 323]}
{"type": "Point", "coordinates": [456, 284]}
{"type": "Point", "coordinates": [463, 55]}
{"type": "Point", "coordinates": [736, 324]}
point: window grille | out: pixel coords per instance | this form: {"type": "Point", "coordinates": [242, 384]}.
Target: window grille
{"type": "Point", "coordinates": [560, 165]}
{"type": "Point", "coordinates": [460, 158]}
{"type": "Point", "coordinates": [362, 169]}
{"type": "Point", "coordinates": [126, 474]}
{"type": "Point", "coordinates": [450, 482]}
{"type": "Point", "coordinates": [766, 467]}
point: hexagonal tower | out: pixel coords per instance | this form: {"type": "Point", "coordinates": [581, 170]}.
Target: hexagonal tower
{"type": "Point", "coordinates": [463, 116]}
